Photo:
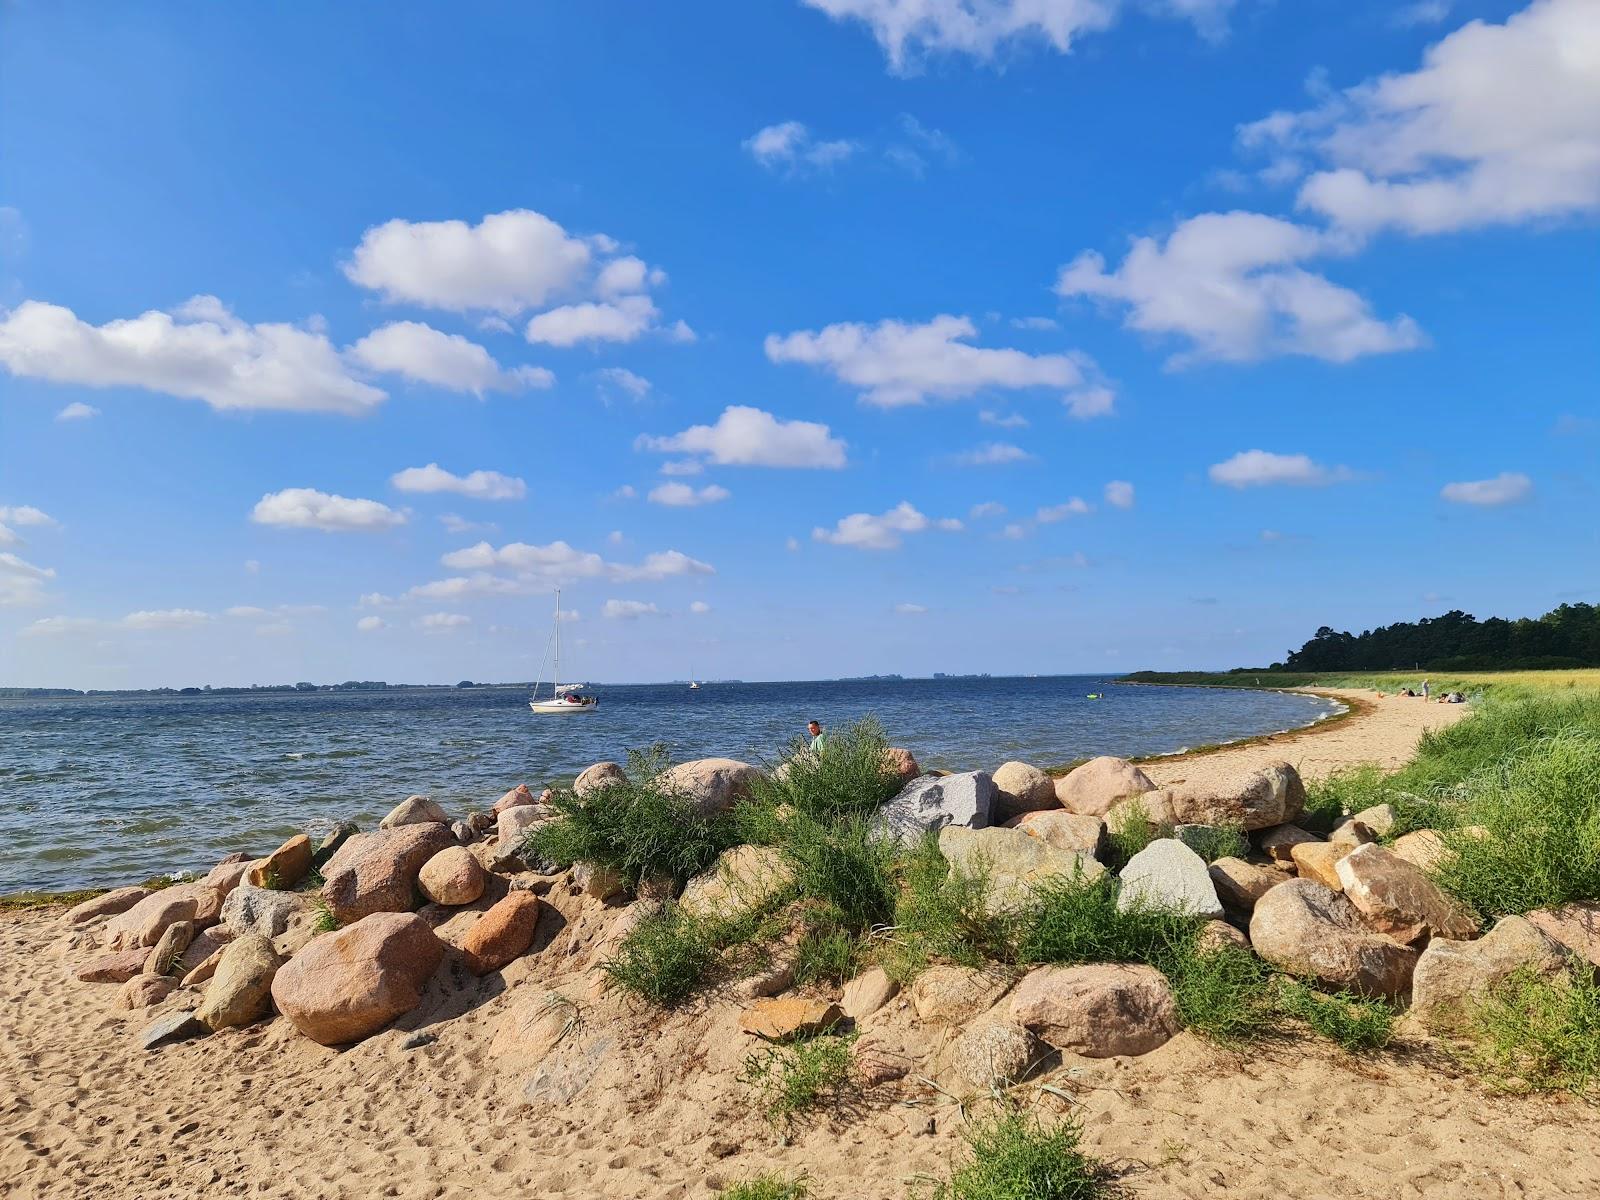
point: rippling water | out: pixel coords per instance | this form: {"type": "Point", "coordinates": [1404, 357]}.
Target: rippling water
{"type": "Point", "coordinates": [103, 791]}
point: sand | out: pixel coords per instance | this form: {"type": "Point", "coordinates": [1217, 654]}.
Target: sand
{"type": "Point", "coordinates": [631, 1103]}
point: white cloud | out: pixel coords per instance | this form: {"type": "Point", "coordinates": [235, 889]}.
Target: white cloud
{"type": "Point", "coordinates": [699, 607]}
{"type": "Point", "coordinates": [1075, 507]}
{"type": "Point", "coordinates": [21, 582]}
{"type": "Point", "coordinates": [1090, 402]}
{"type": "Point", "coordinates": [371, 624]}
{"type": "Point", "coordinates": [461, 587]}
{"type": "Point", "coordinates": [307, 508]}
{"type": "Point", "coordinates": [424, 354]}
{"type": "Point", "coordinates": [681, 495]}
{"type": "Point", "coordinates": [900, 364]}
{"type": "Point", "coordinates": [616, 537]}
{"type": "Point", "coordinates": [166, 618]}
{"type": "Point", "coordinates": [374, 600]}
{"type": "Point", "coordinates": [456, 523]}
{"type": "Point", "coordinates": [245, 610]}
{"type": "Point", "coordinates": [201, 351]}
{"type": "Point", "coordinates": [507, 263]}
{"type": "Point", "coordinates": [909, 30]}
{"type": "Point", "coordinates": [558, 561]}
{"type": "Point", "coordinates": [682, 466]}
{"type": "Point", "coordinates": [1262, 468]}
{"type": "Point", "coordinates": [1508, 487]}
{"type": "Point", "coordinates": [77, 411]}
{"type": "Point", "coordinates": [749, 437]}
{"type": "Point", "coordinates": [628, 610]}
{"type": "Point", "coordinates": [1228, 283]}
{"type": "Point", "coordinates": [1003, 420]}
{"type": "Point", "coordinates": [989, 508]}
{"type": "Point", "coordinates": [55, 626]}
{"type": "Point", "coordinates": [1037, 324]}
{"type": "Point", "coordinates": [1013, 532]}
{"type": "Point", "coordinates": [791, 148]}
{"type": "Point", "coordinates": [627, 275]}
{"type": "Point", "coordinates": [621, 320]}
{"type": "Point", "coordinates": [478, 485]}
{"type": "Point", "coordinates": [1421, 12]}
{"type": "Point", "coordinates": [636, 386]}
{"type": "Point", "coordinates": [625, 492]}
{"type": "Point", "coordinates": [920, 144]}
{"type": "Point", "coordinates": [25, 515]}
{"type": "Point", "coordinates": [1500, 124]}
{"type": "Point", "coordinates": [864, 531]}
{"type": "Point", "coordinates": [910, 610]}
{"type": "Point", "coordinates": [1119, 493]}
{"type": "Point", "coordinates": [252, 566]}
{"type": "Point", "coordinates": [992, 454]}
{"type": "Point", "coordinates": [791, 544]}
{"type": "Point", "coordinates": [443, 622]}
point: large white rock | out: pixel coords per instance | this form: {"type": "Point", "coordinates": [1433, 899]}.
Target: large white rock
{"type": "Point", "coordinates": [1098, 784]}
{"type": "Point", "coordinates": [414, 810]}
{"type": "Point", "coordinates": [932, 802]}
{"type": "Point", "coordinates": [1167, 874]}
{"type": "Point", "coordinates": [1020, 788]}
{"type": "Point", "coordinates": [1011, 862]}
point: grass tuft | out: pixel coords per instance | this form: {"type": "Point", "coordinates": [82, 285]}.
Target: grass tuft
{"type": "Point", "coordinates": [667, 957]}
{"type": "Point", "coordinates": [767, 1187]}
{"type": "Point", "coordinates": [942, 913]}
{"type": "Point", "coordinates": [794, 1080]}
{"type": "Point", "coordinates": [1217, 841]}
{"type": "Point", "coordinates": [1540, 1033]}
{"type": "Point", "coordinates": [1013, 1157]}
{"type": "Point", "coordinates": [1355, 1023]}
{"type": "Point", "coordinates": [850, 777]}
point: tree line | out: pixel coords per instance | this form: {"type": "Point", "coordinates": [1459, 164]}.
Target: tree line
{"type": "Point", "coordinates": [1568, 636]}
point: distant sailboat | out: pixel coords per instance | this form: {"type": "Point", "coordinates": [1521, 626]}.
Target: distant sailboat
{"type": "Point", "coordinates": [694, 684]}
{"type": "Point", "coordinates": [565, 698]}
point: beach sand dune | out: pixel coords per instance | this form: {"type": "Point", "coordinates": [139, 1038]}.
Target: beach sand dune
{"type": "Point", "coordinates": [523, 1096]}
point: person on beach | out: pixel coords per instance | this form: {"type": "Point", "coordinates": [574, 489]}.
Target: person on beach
{"type": "Point", "coordinates": [1425, 689]}
{"type": "Point", "coordinates": [819, 740]}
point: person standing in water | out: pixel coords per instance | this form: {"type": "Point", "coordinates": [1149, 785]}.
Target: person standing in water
{"type": "Point", "coordinates": [819, 740]}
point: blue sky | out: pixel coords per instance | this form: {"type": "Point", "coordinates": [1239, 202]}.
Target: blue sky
{"type": "Point", "coordinates": [791, 339]}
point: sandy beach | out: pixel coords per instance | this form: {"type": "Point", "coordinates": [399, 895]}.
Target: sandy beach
{"type": "Point", "coordinates": [603, 1099]}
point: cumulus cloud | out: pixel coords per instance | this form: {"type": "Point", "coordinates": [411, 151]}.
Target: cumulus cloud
{"type": "Point", "coordinates": [885, 531]}
{"type": "Point", "coordinates": [897, 363]}
{"type": "Point", "coordinates": [620, 320]}
{"type": "Point", "coordinates": [1075, 507]}
{"type": "Point", "coordinates": [790, 147]}
{"type": "Point", "coordinates": [748, 437]}
{"type": "Point", "coordinates": [478, 485]}
{"type": "Point", "coordinates": [456, 523]}
{"type": "Point", "coordinates": [558, 561]}
{"type": "Point", "coordinates": [1498, 125]}
{"type": "Point", "coordinates": [910, 30]}
{"type": "Point", "coordinates": [200, 351]}
{"type": "Point", "coordinates": [307, 508]}
{"type": "Point", "coordinates": [1090, 402]}
{"type": "Point", "coordinates": [628, 610]}
{"type": "Point", "coordinates": [1003, 420]}
{"type": "Point", "coordinates": [25, 515]}
{"type": "Point", "coordinates": [78, 411]}
{"type": "Point", "coordinates": [699, 607]}
{"type": "Point", "coordinates": [1262, 468]}
{"type": "Point", "coordinates": [1230, 285]}
{"type": "Point", "coordinates": [22, 583]}
{"type": "Point", "coordinates": [507, 263]}
{"type": "Point", "coordinates": [426, 355]}
{"type": "Point", "coordinates": [989, 508]}
{"type": "Point", "coordinates": [1119, 493]}
{"type": "Point", "coordinates": [166, 618]}
{"type": "Point", "coordinates": [992, 454]}
{"type": "Point", "coordinates": [681, 495]}
{"type": "Point", "coordinates": [1508, 487]}
{"type": "Point", "coordinates": [371, 625]}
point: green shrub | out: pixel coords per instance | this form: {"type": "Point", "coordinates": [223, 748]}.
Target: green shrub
{"type": "Point", "coordinates": [850, 777]}
{"type": "Point", "coordinates": [1353, 1022]}
{"type": "Point", "coordinates": [844, 865]}
{"type": "Point", "coordinates": [1222, 993]}
{"type": "Point", "coordinates": [942, 912]}
{"type": "Point", "coordinates": [793, 1080]}
{"type": "Point", "coordinates": [667, 956]}
{"type": "Point", "coordinates": [1540, 1033]}
{"type": "Point", "coordinates": [1070, 921]}
{"type": "Point", "coordinates": [827, 955]}
{"type": "Point", "coordinates": [1331, 799]}
{"type": "Point", "coordinates": [1542, 812]}
{"type": "Point", "coordinates": [1212, 842]}
{"type": "Point", "coordinates": [767, 1187]}
{"type": "Point", "coordinates": [1134, 831]}
{"type": "Point", "coordinates": [1013, 1157]}
{"type": "Point", "coordinates": [636, 827]}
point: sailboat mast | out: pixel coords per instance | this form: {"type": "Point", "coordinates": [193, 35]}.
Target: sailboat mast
{"type": "Point", "coordinates": [555, 686]}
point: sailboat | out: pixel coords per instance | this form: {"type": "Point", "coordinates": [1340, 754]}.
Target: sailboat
{"type": "Point", "coordinates": [564, 698]}
{"type": "Point", "coordinates": [694, 684]}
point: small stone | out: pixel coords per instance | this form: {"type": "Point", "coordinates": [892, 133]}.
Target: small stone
{"type": "Point", "coordinates": [464, 831]}
{"type": "Point", "coordinates": [228, 873]}
{"type": "Point", "coordinates": [1319, 861]}
{"type": "Point", "coordinates": [418, 1040]}
{"type": "Point", "coordinates": [144, 990]}
{"type": "Point", "coordinates": [1094, 788]}
{"type": "Point", "coordinates": [284, 867]}
{"type": "Point", "coordinates": [1097, 1011]}
{"type": "Point", "coordinates": [902, 763]}
{"type": "Point", "coordinates": [330, 844]}
{"type": "Point", "coordinates": [452, 877]}
{"type": "Point", "coordinates": [203, 971]}
{"type": "Point", "coordinates": [1218, 935]}
{"type": "Point", "coordinates": [174, 941]}
{"type": "Point", "coordinates": [502, 934]}
{"type": "Point", "coordinates": [174, 1027]}
{"type": "Point", "coordinates": [1167, 874]}
{"type": "Point", "coordinates": [712, 785]}
{"type": "Point", "coordinates": [377, 872]}
{"type": "Point", "coordinates": [242, 983]}
{"type": "Point", "coordinates": [1574, 927]}
{"type": "Point", "coordinates": [146, 921]}
{"type": "Point", "coordinates": [742, 879]}
{"type": "Point", "coordinates": [1012, 862]}
{"type": "Point", "coordinates": [414, 810]}
{"type": "Point", "coordinates": [1278, 843]}
{"type": "Point", "coordinates": [1398, 899]}
{"type": "Point", "coordinates": [1240, 884]}
{"type": "Point", "coordinates": [867, 993]}
{"type": "Point", "coordinates": [119, 900]}
{"type": "Point", "coordinates": [1423, 848]}
{"type": "Point", "coordinates": [250, 909]}
{"type": "Point", "coordinates": [1350, 833]}
{"type": "Point", "coordinates": [1378, 820]}
{"type": "Point", "coordinates": [877, 1064]}
{"type": "Point", "coordinates": [949, 995]}
{"type": "Point", "coordinates": [789, 1018]}
{"type": "Point", "coordinates": [991, 1054]}
{"type": "Point", "coordinates": [517, 797]}
{"type": "Point", "coordinates": [118, 967]}
{"type": "Point", "coordinates": [1020, 788]}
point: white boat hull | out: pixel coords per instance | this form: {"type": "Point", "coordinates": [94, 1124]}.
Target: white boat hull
{"type": "Point", "coordinates": [552, 707]}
